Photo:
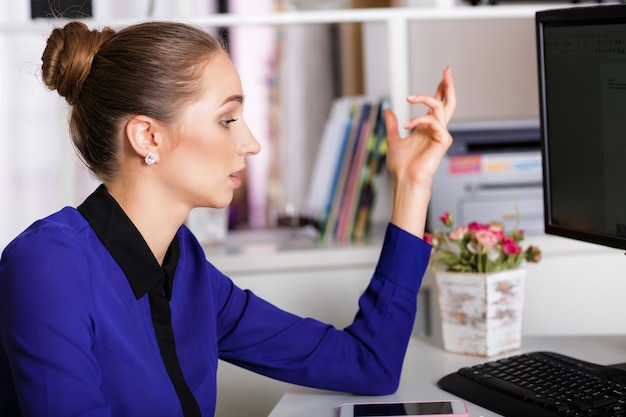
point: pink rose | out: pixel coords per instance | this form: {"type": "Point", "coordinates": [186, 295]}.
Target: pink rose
{"type": "Point", "coordinates": [486, 238]}
{"type": "Point", "coordinates": [446, 219]}
{"type": "Point", "coordinates": [497, 229]}
{"type": "Point", "coordinates": [510, 247]}
{"type": "Point", "coordinates": [458, 233]}
{"type": "Point", "coordinates": [475, 226]}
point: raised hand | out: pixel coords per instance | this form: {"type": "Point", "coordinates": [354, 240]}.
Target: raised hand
{"type": "Point", "coordinates": [414, 160]}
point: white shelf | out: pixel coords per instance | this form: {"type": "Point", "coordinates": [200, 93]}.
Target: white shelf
{"type": "Point", "coordinates": [391, 14]}
{"type": "Point", "coordinates": [262, 251]}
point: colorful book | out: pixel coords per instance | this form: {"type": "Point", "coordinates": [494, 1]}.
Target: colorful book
{"type": "Point", "coordinates": [348, 168]}
{"type": "Point", "coordinates": [329, 156]}
{"type": "Point", "coordinates": [351, 193]}
{"type": "Point", "coordinates": [371, 175]}
{"type": "Point", "coordinates": [342, 169]}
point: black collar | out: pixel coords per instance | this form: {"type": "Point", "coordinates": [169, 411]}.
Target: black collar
{"type": "Point", "coordinates": [124, 242]}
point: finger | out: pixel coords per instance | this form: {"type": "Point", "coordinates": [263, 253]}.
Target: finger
{"type": "Point", "coordinates": [449, 93]}
{"type": "Point", "coordinates": [441, 88]}
{"type": "Point", "coordinates": [434, 132]}
{"type": "Point", "coordinates": [436, 109]}
{"type": "Point", "coordinates": [430, 122]}
{"type": "Point", "coordinates": [446, 93]}
{"type": "Point", "coordinates": [391, 123]}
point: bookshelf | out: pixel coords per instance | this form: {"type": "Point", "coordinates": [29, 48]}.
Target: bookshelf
{"type": "Point", "coordinates": [394, 56]}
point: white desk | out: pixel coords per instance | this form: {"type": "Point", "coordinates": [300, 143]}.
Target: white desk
{"type": "Point", "coordinates": [426, 362]}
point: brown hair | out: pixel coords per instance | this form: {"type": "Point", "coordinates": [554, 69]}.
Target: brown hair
{"type": "Point", "coordinates": [107, 77]}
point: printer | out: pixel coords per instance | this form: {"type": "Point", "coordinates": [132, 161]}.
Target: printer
{"type": "Point", "coordinates": [492, 171]}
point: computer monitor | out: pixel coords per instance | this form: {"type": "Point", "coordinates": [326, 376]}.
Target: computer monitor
{"type": "Point", "coordinates": [581, 55]}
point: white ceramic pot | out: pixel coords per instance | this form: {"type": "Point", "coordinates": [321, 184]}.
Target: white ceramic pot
{"type": "Point", "coordinates": [481, 314]}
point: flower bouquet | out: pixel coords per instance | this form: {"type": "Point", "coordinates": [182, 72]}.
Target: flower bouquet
{"type": "Point", "coordinates": [478, 247]}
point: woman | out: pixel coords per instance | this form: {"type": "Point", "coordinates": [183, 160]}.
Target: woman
{"type": "Point", "coordinates": [111, 308]}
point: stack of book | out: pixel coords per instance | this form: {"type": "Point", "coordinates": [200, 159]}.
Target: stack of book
{"type": "Point", "coordinates": [347, 171]}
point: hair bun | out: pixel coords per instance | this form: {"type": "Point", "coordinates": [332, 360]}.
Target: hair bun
{"type": "Point", "coordinates": [68, 56]}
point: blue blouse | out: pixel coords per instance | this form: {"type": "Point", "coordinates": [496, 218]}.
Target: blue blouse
{"type": "Point", "coordinates": [77, 336]}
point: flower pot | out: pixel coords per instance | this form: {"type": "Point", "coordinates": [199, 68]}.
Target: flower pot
{"type": "Point", "coordinates": [481, 313]}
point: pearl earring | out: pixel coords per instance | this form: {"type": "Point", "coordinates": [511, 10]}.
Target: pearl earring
{"type": "Point", "coordinates": [150, 158]}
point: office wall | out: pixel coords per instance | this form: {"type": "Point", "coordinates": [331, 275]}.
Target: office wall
{"type": "Point", "coordinates": [493, 62]}
{"type": "Point", "coordinates": [33, 142]}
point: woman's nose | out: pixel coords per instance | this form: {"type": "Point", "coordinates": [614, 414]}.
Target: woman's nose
{"type": "Point", "coordinates": [250, 145]}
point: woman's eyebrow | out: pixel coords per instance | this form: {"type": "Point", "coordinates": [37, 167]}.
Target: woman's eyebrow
{"type": "Point", "coordinates": [235, 97]}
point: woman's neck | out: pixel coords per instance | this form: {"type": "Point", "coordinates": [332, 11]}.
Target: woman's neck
{"type": "Point", "coordinates": [153, 213]}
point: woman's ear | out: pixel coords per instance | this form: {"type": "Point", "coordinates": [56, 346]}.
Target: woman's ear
{"type": "Point", "coordinates": [140, 134]}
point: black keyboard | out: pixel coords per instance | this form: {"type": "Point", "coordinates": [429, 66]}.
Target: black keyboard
{"type": "Point", "coordinates": [542, 384]}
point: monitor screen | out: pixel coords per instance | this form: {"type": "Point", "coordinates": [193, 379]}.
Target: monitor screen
{"type": "Point", "coordinates": [581, 55]}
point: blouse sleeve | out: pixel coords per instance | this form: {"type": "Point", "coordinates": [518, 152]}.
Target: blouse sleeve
{"type": "Point", "coordinates": [365, 358]}
{"type": "Point", "coordinates": [45, 327]}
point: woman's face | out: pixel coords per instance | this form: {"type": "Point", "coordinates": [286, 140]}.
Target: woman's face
{"type": "Point", "coordinates": [209, 141]}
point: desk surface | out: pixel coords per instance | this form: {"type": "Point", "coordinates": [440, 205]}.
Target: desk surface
{"type": "Point", "coordinates": [426, 362]}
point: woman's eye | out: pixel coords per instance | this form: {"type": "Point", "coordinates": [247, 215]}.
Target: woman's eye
{"type": "Point", "coordinates": [226, 122]}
